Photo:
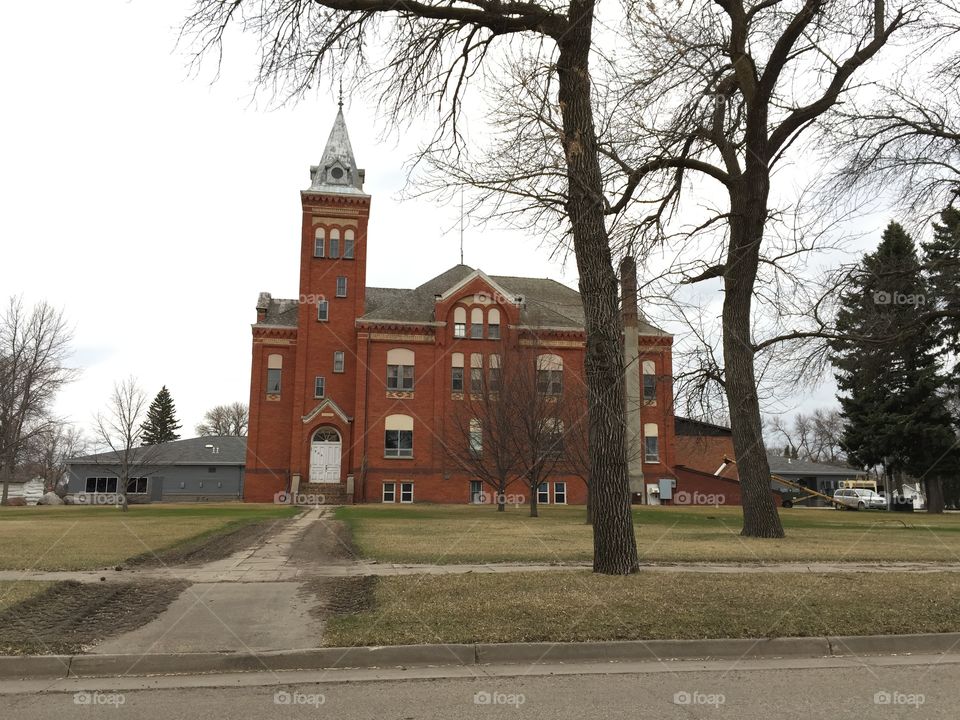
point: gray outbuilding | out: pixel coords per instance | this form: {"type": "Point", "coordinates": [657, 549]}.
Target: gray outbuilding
{"type": "Point", "coordinates": [203, 469]}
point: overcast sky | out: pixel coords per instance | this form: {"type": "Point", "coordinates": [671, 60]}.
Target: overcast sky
{"type": "Point", "coordinates": [153, 205]}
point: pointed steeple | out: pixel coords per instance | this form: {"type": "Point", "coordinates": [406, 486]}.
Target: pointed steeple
{"type": "Point", "coordinates": [337, 171]}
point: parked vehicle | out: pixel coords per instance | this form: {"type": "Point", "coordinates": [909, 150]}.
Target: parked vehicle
{"type": "Point", "coordinates": [858, 499]}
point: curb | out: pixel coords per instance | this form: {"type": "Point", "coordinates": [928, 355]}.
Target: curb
{"type": "Point", "coordinates": [62, 666]}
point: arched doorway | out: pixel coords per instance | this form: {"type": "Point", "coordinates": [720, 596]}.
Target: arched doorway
{"type": "Point", "coordinates": [325, 456]}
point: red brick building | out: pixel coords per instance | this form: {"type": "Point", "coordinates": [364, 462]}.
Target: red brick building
{"type": "Point", "coordinates": [353, 387]}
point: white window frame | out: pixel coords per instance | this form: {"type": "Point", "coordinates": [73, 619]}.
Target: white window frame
{"type": "Point", "coordinates": [649, 457]}
{"type": "Point", "coordinates": [323, 311]}
{"type": "Point", "coordinates": [348, 244]}
{"type": "Point", "coordinates": [339, 361]}
{"type": "Point", "coordinates": [391, 489]}
{"type": "Point", "coordinates": [319, 386]}
{"type": "Point", "coordinates": [341, 281]}
{"type": "Point", "coordinates": [406, 487]}
{"type": "Point", "coordinates": [543, 489]}
{"type": "Point", "coordinates": [560, 490]}
{"type": "Point", "coordinates": [319, 242]}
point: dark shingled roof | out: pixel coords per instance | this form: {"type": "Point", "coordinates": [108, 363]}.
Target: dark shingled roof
{"type": "Point", "coordinates": [546, 303]}
{"type": "Point", "coordinates": [780, 465]}
{"type": "Point", "coordinates": [191, 451]}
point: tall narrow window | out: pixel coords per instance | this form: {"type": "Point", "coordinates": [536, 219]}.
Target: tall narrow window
{"type": "Point", "coordinates": [494, 380]}
{"type": "Point", "coordinates": [476, 373]}
{"type": "Point", "coordinates": [476, 436]}
{"type": "Point", "coordinates": [560, 493]}
{"type": "Point", "coordinates": [456, 373]}
{"type": "Point", "coordinates": [348, 244]}
{"type": "Point", "coordinates": [476, 324]}
{"type": "Point", "coordinates": [334, 243]}
{"type": "Point", "coordinates": [550, 374]}
{"type": "Point", "coordinates": [649, 383]}
{"type": "Point", "coordinates": [389, 492]}
{"type": "Point", "coordinates": [341, 286]}
{"type": "Point", "coordinates": [398, 436]}
{"type": "Point", "coordinates": [651, 446]}
{"type": "Point", "coordinates": [323, 310]}
{"type": "Point", "coordinates": [318, 241]}
{"type": "Point", "coordinates": [406, 492]}
{"type": "Point", "coordinates": [459, 322]}
{"type": "Point", "coordinates": [543, 494]}
{"type": "Point", "coordinates": [274, 370]}
{"type": "Point", "coordinates": [319, 386]}
{"type": "Point", "coordinates": [493, 324]}
{"type": "Point", "coordinates": [338, 361]}
{"type": "Point", "coordinates": [552, 436]}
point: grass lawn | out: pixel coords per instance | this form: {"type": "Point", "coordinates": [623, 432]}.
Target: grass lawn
{"type": "Point", "coordinates": [70, 537]}
{"type": "Point", "coordinates": [580, 606]}
{"type": "Point", "coordinates": [446, 534]}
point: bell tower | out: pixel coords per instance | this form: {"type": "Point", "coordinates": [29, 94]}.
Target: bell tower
{"type": "Point", "coordinates": [333, 263]}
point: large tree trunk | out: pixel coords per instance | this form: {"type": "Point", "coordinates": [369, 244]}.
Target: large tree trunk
{"type": "Point", "coordinates": [6, 472]}
{"type": "Point", "coordinates": [934, 488]}
{"type": "Point", "coordinates": [614, 543]}
{"type": "Point", "coordinates": [748, 214]}
{"type": "Point", "coordinates": [534, 511]}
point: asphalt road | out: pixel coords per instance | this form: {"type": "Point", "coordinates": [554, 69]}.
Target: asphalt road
{"type": "Point", "coordinates": [808, 689]}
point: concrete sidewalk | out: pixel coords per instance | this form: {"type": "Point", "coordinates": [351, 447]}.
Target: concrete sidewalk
{"type": "Point", "coordinates": [259, 567]}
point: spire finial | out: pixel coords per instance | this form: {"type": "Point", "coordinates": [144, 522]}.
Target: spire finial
{"type": "Point", "coordinates": [340, 102]}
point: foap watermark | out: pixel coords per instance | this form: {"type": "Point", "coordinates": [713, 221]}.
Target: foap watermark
{"type": "Point", "coordinates": [311, 298]}
{"type": "Point", "coordinates": [494, 298]}
{"type": "Point", "coordinates": [99, 699]}
{"type": "Point", "coordinates": [286, 697]}
{"type": "Point", "coordinates": [683, 497]}
{"type": "Point", "coordinates": [488, 498]}
{"type": "Point", "coordinates": [484, 697]}
{"type": "Point", "coordinates": [288, 498]}
{"type": "Point", "coordinates": [882, 297]}
{"type": "Point", "coordinates": [686, 697]}
{"type": "Point", "coordinates": [895, 697]}
{"type": "Point", "coordinates": [100, 499]}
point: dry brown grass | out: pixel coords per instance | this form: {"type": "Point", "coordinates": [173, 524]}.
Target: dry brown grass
{"type": "Point", "coordinates": [82, 538]}
{"type": "Point", "coordinates": [579, 606]}
{"type": "Point", "coordinates": [469, 534]}
{"type": "Point", "coordinates": [15, 591]}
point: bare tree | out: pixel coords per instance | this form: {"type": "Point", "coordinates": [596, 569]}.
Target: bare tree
{"type": "Point", "coordinates": [225, 420]}
{"type": "Point", "coordinates": [49, 450]}
{"type": "Point", "coordinates": [426, 51]}
{"type": "Point", "coordinates": [34, 348]}
{"type": "Point", "coordinates": [118, 430]}
{"type": "Point", "coordinates": [739, 83]}
{"type": "Point", "coordinates": [815, 437]}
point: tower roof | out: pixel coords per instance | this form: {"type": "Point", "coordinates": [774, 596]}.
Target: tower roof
{"type": "Point", "coordinates": [337, 171]}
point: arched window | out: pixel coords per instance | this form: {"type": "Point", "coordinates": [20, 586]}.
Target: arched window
{"type": "Point", "coordinates": [493, 324]}
{"type": "Point", "coordinates": [319, 235]}
{"type": "Point", "coordinates": [651, 444]}
{"type": "Point", "coordinates": [398, 436]}
{"type": "Point", "coordinates": [400, 363]}
{"type": "Point", "coordinates": [456, 372]}
{"type": "Point", "coordinates": [649, 382]}
{"type": "Point", "coordinates": [476, 324]}
{"type": "Point", "coordinates": [274, 371]}
{"type": "Point", "coordinates": [459, 322]}
{"type": "Point", "coordinates": [550, 374]}
{"type": "Point", "coordinates": [348, 244]}
{"type": "Point", "coordinates": [334, 243]}
{"type": "Point", "coordinates": [326, 434]}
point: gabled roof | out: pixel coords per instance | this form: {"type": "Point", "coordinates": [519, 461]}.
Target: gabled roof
{"type": "Point", "coordinates": [545, 303]}
{"type": "Point", "coordinates": [780, 465]}
{"type": "Point", "coordinates": [191, 451]}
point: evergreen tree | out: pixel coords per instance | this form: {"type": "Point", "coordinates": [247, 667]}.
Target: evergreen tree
{"type": "Point", "coordinates": [161, 424]}
{"type": "Point", "coordinates": [887, 369]}
{"type": "Point", "coordinates": [942, 262]}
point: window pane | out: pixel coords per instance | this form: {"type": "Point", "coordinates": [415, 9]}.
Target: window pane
{"type": "Point", "coordinates": [338, 361]}
{"type": "Point", "coordinates": [341, 286]}
{"type": "Point", "coordinates": [560, 493]}
{"type": "Point", "coordinates": [101, 485]}
{"type": "Point", "coordinates": [476, 380]}
{"type": "Point", "coordinates": [393, 373]}
{"type": "Point", "coordinates": [456, 383]}
{"type": "Point", "coordinates": [476, 331]}
{"type": "Point", "coordinates": [389, 492]}
{"type": "Point", "coordinates": [111, 485]}
{"type": "Point", "coordinates": [348, 248]}
{"type": "Point", "coordinates": [323, 310]}
{"type": "Point", "coordinates": [649, 388]}
{"type": "Point", "coordinates": [318, 247]}
{"type": "Point", "coordinates": [407, 377]}
{"type": "Point", "coordinates": [91, 485]}
{"type": "Point", "coordinates": [319, 386]}
{"type": "Point", "coordinates": [406, 492]}
{"type": "Point", "coordinates": [334, 247]}
{"type": "Point", "coordinates": [460, 330]}
{"type": "Point", "coordinates": [273, 381]}
{"type": "Point", "coordinates": [652, 453]}
{"type": "Point", "coordinates": [543, 493]}
{"type": "Point", "coordinates": [493, 332]}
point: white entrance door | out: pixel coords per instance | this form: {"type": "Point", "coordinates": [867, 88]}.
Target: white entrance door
{"type": "Point", "coordinates": [325, 457]}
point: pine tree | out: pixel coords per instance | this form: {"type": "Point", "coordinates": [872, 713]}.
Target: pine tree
{"type": "Point", "coordinates": [887, 369]}
{"type": "Point", "coordinates": [942, 263]}
{"type": "Point", "coordinates": [161, 424]}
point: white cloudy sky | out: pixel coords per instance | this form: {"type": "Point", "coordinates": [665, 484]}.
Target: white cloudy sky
{"type": "Point", "coordinates": [154, 205]}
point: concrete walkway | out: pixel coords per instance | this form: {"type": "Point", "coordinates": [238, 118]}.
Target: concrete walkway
{"type": "Point", "coordinates": [257, 570]}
